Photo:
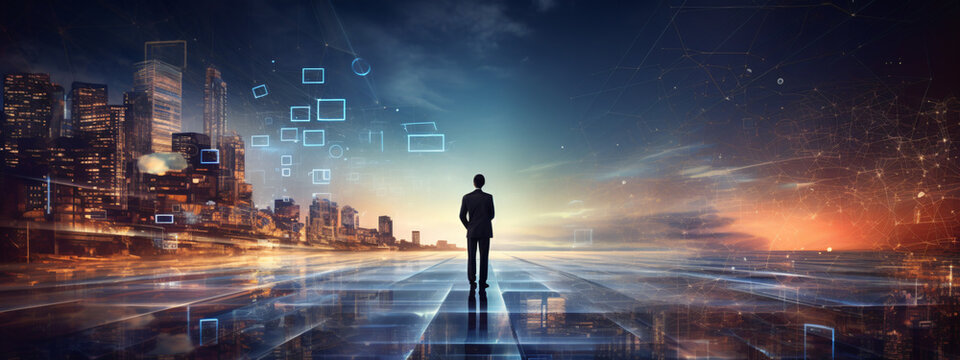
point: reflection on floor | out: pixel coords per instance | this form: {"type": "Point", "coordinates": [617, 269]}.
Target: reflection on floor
{"type": "Point", "coordinates": [540, 305]}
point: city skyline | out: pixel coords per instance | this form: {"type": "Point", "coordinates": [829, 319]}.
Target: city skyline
{"type": "Point", "coordinates": [563, 134]}
{"type": "Point", "coordinates": [104, 178]}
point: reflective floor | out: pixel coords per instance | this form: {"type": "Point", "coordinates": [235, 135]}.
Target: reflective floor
{"type": "Point", "coordinates": [540, 305]}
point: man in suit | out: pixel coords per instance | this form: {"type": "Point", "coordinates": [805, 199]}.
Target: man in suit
{"type": "Point", "coordinates": [476, 212]}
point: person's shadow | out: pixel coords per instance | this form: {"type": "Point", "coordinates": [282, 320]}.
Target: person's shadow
{"type": "Point", "coordinates": [476, 342]}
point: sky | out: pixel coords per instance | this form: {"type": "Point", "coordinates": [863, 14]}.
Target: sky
{"type": "Point", "coordinates": [682, 124]}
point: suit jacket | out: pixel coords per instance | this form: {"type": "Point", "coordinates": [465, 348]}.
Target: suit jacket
{"type": "Point", "coordinates": [479, 205]}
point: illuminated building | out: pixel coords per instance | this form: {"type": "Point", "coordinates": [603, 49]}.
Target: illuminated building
{"type": "Point", "coordinates": [136, 128]}
{"type": "Point", "coordinates": [100, 164]}
{"type": "Point", "coordinates": [202, 177]}
{"type": "Point", "coordinates": [349, 220]}
{"type": "Point", "coordinates": [385, 225]}
{"type": "Point", "coordinates": [286, 213]}
{"type": "Point", "coordinates": [231, 169]}
{"type": "Point", "coordinates": [214, 105]}
{"type": "Point", "coordinates": [59, 127]}
{"type": "Point", "coordinates": [27, 112]}
{"type": "Point", "coordinates": [323, 221]}
{"type": "Point", "coordinates": [189, 145]}
{"type": "Point", "coordinates": [163, 85]}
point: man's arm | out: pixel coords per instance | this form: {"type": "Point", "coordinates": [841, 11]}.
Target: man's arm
{"type": "Point", "coordinates": [463, 212]}
{"type": "Point", "coordinates": [491, 207]}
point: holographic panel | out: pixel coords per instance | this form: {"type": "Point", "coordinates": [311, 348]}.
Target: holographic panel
{"type": "Point", "coordinates": [331, 109]}
{"type": "Point", "coordinates": [163, 218]}
{"type": "Point", "coordinates": [286, 160]}
{"type": "Point", "coordinates": [285, 172]}
{"type": "Point", "coordinates": [209, 156]}
{"type": "Point", "coordinates": [290, 134]}
{"type": "Point", "coordinates": [314, 138]}
{"type": "Point", "coordinates": [428, 127]}
{"type": "Point", "coordinates": [320, 176]}
{"type": "Point", "coordinates": [426, 143]}
{"type": "Point", "coordinates": [260, 140]}
{"type": "Point", "coordinates": [259, 91]}
{"type": "Point", "coordinates": [312, 76]}
{"type": "Point", "coordinates": [300, 113]}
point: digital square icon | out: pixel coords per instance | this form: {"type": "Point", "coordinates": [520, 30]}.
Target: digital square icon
{"type": "Point", "coordinates": [426, 143]}
{"type": "Point", "coordinates": [312, 76]}
{"type": "Point", "coordinates": [163, 218]}
{"type": "Point", "coordinates": [314, 137]}
{"type": "Point", "coordinates": [321, 176]}
{"type": "Point", "coordinates": [300, 113]}
{"type": "Point", "coordinates": [209, 156]}
{"type": "Point", "coordinates": [260, 140]}
{"type": "Point", "coordinates": [209, 331]}
{"type": "Point", "coordinates": [260, 91]}
{"type": "Point", "coordinates": [286, 160]}
{"type": "Point", "coordinates": [285, 172]}
{"type": "Point", "coordinates": [582, 237]}
{"type": "Point", "coordinates": [290, 134]}
{"type": "Point", "coordinates": [331, 109]}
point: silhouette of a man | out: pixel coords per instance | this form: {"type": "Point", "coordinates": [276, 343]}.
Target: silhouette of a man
{"type": "Point", "coordinates": [476, 212]}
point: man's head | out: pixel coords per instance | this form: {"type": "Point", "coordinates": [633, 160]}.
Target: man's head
{"type": "Point", "coordinates": [478, 181]}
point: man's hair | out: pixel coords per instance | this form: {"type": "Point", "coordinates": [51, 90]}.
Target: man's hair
{"type": "Point", "coordinates": [478, 181]}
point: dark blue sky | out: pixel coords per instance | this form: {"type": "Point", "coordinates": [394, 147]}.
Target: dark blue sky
{"type": "Point", "coordinates": [583, 114]}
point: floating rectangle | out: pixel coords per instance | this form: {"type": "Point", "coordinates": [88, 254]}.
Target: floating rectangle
{"type": "Point", "coordinates": [314, 138]}
{"type": "Point", "coordinates": [300, 113]}
{"type": "Point", "coordinates": [285, 172]}
{"type": "Point", "coordinates": [260, 91]}
{"type": "Point", "coordinates": [321, 176]}
{"type": "Point", "coordinates": [209, 331]}
{"type": "Point", "coordinates": [290, 134]}
{"type": "Point", "coordinates": [163, 218]}
{"type": "Point", "coordinates": [209, 156]}
{"type": "Point", "coordinates": [427, 127]}
{"type": "Point", "coordinates": [260, 140]}
{"type": "Point", "coordinates": [312, 76]}
{"type": "Point", "coordinates": [582, 237]}
{"type": "Point", "coordinates": [331, 109]}
{"type": "Point", "coordinates": [426, 143]}
{"type": "Point", "coordinates": [286, 160]}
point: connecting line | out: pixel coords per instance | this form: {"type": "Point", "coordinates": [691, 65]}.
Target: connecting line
{"type": "Point", "coordinates": [354, 52]}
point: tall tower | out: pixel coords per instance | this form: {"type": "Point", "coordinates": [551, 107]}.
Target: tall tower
{"type": "Point", "coordinates": [163, 84]}
{"type": "Point", "coordinates": [415, 236]}
{"type": "Point", "coordinates": [214, 105]}
{"type": "Point", "coordinates": [100, 127]}
{"type": "Point", "coordinates": [385, 226]}
{"type": "Point", "coordinates": [349, 219]}
{"type": "Point", "coordinates": [27, 112]}
{"type": "Point", "coordinates": [231, 168]}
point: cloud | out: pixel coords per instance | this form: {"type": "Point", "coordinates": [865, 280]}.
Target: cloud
{"type": "Point", "coordinates": [172, 344]}
{"type": "Point", "coordinates": [160, 163]}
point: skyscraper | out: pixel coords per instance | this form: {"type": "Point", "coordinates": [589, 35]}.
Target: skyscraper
{"type": "Point", "coordinates": [385, 226]}
{"type": "Point", "coordinates": [323, 220]}
{"type": "Point", "coordinates": [189, 145]}
{"type": "Point", "coordinates": [136, 129]}
{"type": "Point", "coordinates": [27, 111]}
{"type": "Point", "coordinates": [100, 126]}
{"type": "Point", "coordinates": [58, 124]}
{"type": "Point", "coordinates": [163, 84]}
{"type": "Point", "coordinates": [231, 169]}
{"type": "Point", "coordinates": [349, 219]}
{"type": "Point", "coordinates": [214, 105]}
{"type": "Point", "coordinates": [415, 236]}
